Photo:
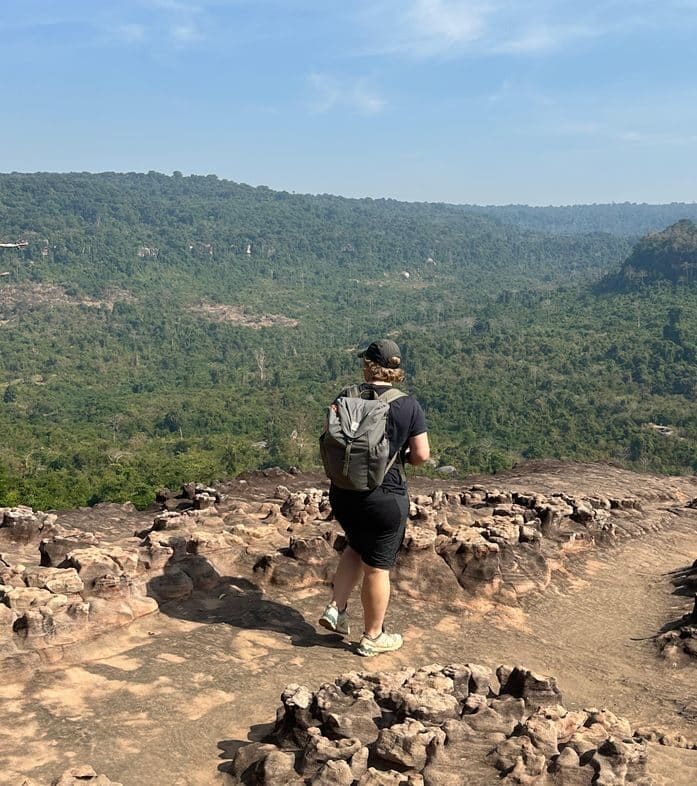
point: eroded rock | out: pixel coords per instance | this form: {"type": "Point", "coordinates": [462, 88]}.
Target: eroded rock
{"type": "Point", "coordinates": [507, 728]}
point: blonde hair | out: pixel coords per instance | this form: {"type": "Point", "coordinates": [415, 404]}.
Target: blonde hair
{"type": "Point", "coordinates": [379, 373]}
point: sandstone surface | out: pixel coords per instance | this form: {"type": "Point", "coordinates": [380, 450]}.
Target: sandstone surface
{"type": "Point", "coordinates": [124, 633]}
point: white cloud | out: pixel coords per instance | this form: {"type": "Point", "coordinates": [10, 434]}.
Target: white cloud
{"type": "Point", "coordinates": [442, 28]}
{"type": "Point", "coordinates": [422, 28]}
{"type": "Point", "coordinates": [542, 38]}
{"type": "Point", "coordinates": [411, 28]}
{"type": "Point", "coordinates": [331, 92]}
{"type": "Point", "coordinates": [176, 22]}
{"type": "Point", "coordinates": [446, 21]}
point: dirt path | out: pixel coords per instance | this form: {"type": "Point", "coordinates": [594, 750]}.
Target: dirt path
{"type": "Point", "coordinates": [169, 700]}
{"type": "Point", "coordinates": [594, 633]}
{"type": "Point", "coordinates": [592, 630]}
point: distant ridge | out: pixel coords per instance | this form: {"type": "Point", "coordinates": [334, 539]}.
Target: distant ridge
{"type": "Point", "coordinates": [622, 219]}
{"type": "Point", "coordinates": [625, 219]}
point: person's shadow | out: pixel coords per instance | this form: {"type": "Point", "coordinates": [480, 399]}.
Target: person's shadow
{"type": "Point", "coordinates": [231, 600]}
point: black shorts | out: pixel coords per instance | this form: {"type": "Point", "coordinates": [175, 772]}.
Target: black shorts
{"type": "Point", "coordinates": [374, 522]}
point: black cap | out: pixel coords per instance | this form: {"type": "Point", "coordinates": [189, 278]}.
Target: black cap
{"type": "Point", "coordinates": [383, 352]}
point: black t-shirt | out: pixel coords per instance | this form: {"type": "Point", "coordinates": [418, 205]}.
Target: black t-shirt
{"type": "Point", "coordinates": [406, 419]}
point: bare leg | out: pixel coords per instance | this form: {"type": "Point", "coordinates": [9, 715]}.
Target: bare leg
{"type": "Point", "coordinates": [347, 576]}
{"type": "Point", "coordinates": [375, 596]}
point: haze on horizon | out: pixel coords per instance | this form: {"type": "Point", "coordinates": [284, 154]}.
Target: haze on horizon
{"type": "Point", "coordinates": [421, 100]}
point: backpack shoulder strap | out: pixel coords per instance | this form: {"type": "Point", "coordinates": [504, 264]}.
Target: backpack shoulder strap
{"type": "Point", "coordinates": [391, 395]}
{"type": "Point", "coordinates": [388, 397]}
{"type": "Point", "coordinates": [352, 391]}
{"type": "Point", "coordinates": [358, 391]}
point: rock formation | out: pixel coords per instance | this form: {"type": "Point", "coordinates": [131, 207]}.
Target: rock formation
{"type": "Point", "coordinates": [64, 579]}
{"type": "Point", "coordinates": [441, 726]}
{"type": "Point", "coordinates": [256, 554]}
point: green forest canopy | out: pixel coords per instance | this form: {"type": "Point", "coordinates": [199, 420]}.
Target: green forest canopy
{"type": "Point", "coordinates": [161, 329]}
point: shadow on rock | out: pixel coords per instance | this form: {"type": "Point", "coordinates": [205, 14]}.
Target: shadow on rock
{"type": "Point", "coordinates": [260, 733]}
{"type": "Point", "coordinates": [685, 582]}
{"type": "Point", "coordinates": [191, 589]}
{"type": "Point", "coordinates": [678, 624]}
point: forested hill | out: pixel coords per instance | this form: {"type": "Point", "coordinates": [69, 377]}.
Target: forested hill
{"type": "Point", "coordinates": [624, 219]}
{"type": "Point", "coordinates": [100, 228]}
{"type": "Point", "coordinates": [156, 330]}
{"type": "Point", "coordinates": [668, 256]}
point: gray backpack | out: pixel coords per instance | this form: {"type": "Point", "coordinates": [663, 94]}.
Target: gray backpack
{"type": "Point", "coordinates": [354, 447]}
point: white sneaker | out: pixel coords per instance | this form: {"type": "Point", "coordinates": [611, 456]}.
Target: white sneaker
{"type": "Point", "coordinates": [335, 620]}
{"type": "Point", "coordinates": [384, 642]}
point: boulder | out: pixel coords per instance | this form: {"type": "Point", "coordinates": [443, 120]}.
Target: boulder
{"type": "Point", "coordinates": [54, 550]}
{"type": "Point", "coordinates": [308, 562]}
{"type": "Point", "coordinates": [246, 758]}
{"type": "Point", "coordinates": [536, 689]}
{"type": "Point", "coordinates": [617, 761]}
{"type": "Point", "coordinates": [277, 768]}
{"type": "Point", "coordinates": [542, 730]}
{"type": "Point", "coordinates": [23, 525]}
{"type": "Point", "coordinates": [426, 704]}
{"type": "Point", "coordinates": [474, 561]}
{"type": "Point", "coordinates": [59, 580]}
{"type": "Point", "coordinates": [19, 599]}
{"type": "Point", "coordinates": [94, 562]}
{"type": "Point", "coordinates": [50, 625]}
{"type": "Point", "coordinates": [407, 744]}
{"type": "Point", "coordinates": [294, 717]}
{"type": "Point", "coordinates": [334, 773]}
{"type": "Point", "coordinates": [351, 716]}
{"type": "Point", "coordinates": [374, 777]}
{"type": "Point", "coordinates": [420, 572]}
{"type": "Point", "coordinates": [320, 751]}
{"type": "Point", "coordinates": [153, 554]}
{"type": "Point", "coordinates": [83, 776]}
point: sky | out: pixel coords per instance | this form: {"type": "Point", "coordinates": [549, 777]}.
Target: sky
{"type": "Point", "coordinates": [463, 101]}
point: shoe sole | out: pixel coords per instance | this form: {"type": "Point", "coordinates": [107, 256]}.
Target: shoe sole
{"type": "Point", "coordinates": [325, 623]}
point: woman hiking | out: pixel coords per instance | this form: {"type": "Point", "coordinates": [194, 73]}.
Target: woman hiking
{"type": "Point", "coordinates": [374, 520]}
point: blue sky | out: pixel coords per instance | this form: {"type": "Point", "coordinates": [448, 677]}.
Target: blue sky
{"type": "Point", "coordinates": [488, 102]}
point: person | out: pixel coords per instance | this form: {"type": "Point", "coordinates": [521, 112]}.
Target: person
{"type": "Point", "coordinates": [374, 522]}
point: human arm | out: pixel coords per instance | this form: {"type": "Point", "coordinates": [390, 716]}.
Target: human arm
{"type": "Point", "coordinates": [419, 449]}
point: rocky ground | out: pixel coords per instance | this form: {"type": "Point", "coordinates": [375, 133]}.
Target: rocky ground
{"type": "Point", "coordinates": [157, 645]}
